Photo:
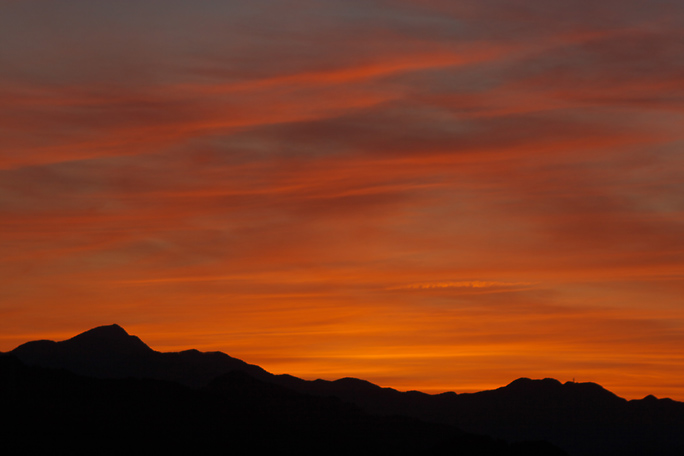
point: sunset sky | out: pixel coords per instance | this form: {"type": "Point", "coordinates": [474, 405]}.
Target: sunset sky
{"type": "Point", "coordinates": [437, 195]}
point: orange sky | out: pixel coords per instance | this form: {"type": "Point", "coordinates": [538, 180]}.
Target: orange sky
{"type": "Point", "coordinates": [429, 195]}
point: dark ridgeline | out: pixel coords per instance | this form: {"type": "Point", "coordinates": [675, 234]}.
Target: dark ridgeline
{"type": "Point", "coordinates": [110, 352]}
{"type": "Point", "coordinates": [118, 390]}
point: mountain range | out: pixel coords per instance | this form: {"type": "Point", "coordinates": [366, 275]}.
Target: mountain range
{"type": "Point", "coordinates": [105, 385]}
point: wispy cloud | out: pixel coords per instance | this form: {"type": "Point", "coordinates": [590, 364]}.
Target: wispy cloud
{"type": "Point", "coordinates": [472, 285]}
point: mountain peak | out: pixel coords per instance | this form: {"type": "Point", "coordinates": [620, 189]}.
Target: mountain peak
{"type": "Point", "coordinates": [529, 384]}
{"type": "Point", "coordinates": [110, 339]}
{"type": "Point", "coordinates": [113, 331]}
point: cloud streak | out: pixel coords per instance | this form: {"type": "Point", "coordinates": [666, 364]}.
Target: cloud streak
{"type": "Point", "coordinates": [472, 285]}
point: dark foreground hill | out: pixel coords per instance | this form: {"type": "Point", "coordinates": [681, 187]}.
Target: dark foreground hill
{"type": "Point", "coordinates": [53, 411]}
{"type": "Point", "coordinates": [582, 418]}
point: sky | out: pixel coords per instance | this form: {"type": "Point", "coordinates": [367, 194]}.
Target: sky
{"type": "Point", "coordinates": [431, 195]}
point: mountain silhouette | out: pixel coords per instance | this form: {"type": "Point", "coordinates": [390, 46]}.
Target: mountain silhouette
{"type": "Point", "coordinates": [103, 341]}
{"type": "Point", "coordinates": [582, 418]}
{"type": "Point", "coordinates": [54, 411]}
{"type": "Point", "coordinates": [110, 352]}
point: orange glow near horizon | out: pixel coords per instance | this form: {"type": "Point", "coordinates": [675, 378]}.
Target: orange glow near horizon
{"type": "Point", "coordinates": [426, 195]}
